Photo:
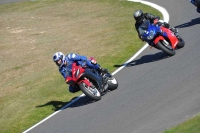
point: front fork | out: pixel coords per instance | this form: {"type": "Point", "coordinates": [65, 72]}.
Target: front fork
{"type": "Point", "coordinates": [86, 81]}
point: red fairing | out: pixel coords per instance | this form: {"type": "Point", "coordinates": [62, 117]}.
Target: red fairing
{"type": "Point", "coordinates": [158, 39]}
{"type": "Point", "coordinates": [77, 72]}
{"type": "Point", "coordinates": [173, 39]}
{"type": "Point", "coordinates": [86, 81]}
{"type": "Point", "coordinates": [75, 69]}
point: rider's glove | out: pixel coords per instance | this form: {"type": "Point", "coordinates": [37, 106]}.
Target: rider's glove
{"type": "Point", "coordinates": [93, 61]}
{"type": "Point", "coordinates": [155, 21]}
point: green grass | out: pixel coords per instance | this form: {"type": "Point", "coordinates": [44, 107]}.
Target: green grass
{"type": "Point", "coordinates": [190, 126]}
{"type": "Point", "coordinates": [31, 32]}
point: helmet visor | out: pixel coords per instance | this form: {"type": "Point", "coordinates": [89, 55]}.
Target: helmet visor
{"type": "Point", "coordinates": [59, 62]}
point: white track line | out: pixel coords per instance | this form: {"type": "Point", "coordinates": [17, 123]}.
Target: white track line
{"type": "Point", "coordinates": [165, 18]}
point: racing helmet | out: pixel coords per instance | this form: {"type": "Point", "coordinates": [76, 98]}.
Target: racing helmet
{"type": "Point", "coordinates": [139, 16]}
{"type": "Point", "coordinates": [59, 56]}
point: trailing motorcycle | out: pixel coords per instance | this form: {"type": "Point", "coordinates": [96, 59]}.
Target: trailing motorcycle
{"type": "Point", "coordinates": [160, 37]}
{"type": "Point", "coordinates": [90, 82]}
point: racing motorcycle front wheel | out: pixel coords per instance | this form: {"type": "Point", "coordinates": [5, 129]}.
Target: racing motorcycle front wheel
{"type": "Point", "coordinates": [166, 47]}
{"type": "Point", "coordinates": [90, 91]}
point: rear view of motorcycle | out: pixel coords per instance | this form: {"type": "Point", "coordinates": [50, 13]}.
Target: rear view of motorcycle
{"type": "Point", "coordinates": [161, 37]}
{"type": "Point", "coordinates": [91, 83]}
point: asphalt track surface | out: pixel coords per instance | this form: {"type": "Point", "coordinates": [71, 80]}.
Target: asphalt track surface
{"type": "Point", "coordinates": [155, 92]}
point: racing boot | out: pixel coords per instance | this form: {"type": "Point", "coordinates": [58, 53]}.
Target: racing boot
{"type": "Point", "coordinates": [103, 70]}
{"type": "Point", "coordinates": [175, 30]}
{"type": "Point", "coordinates": [179, 38]}
{"type": "Point", "coordinates": [166, 25]}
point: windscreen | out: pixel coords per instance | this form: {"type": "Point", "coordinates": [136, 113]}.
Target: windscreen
{"type": "Point", "coordinates": [143, 28]}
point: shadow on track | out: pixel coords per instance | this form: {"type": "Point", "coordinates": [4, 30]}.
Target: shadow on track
{"type": "Point", "coordinates": [57, 105]}
{"type": "Point", "coordinates": [145, 59]}
{"type": "Point", "coordinates": [188, 24]}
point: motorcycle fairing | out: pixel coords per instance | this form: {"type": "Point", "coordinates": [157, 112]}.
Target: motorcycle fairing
{"type": "Point", "coordinates": [87, 73]}
{"type": "Point", "coordinates": [75, 75]}
{"type": "Point", "coordinates": [150, 31]}
{"type": "Point", "coordinates": [170, 35]}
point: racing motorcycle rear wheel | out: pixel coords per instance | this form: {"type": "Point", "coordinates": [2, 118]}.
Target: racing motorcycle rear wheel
{"type": "Point", "coordinates": [112, 83]}
{"type": "Point", "coordinates": [90, 91]}
{"type": "Point", "coordinates": [167, 48]}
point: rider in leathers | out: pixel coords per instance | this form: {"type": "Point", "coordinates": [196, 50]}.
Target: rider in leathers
{"type": "Point", "coordinates": [64, 63]}
{"type": "Point", "coordinates": [140, 17]}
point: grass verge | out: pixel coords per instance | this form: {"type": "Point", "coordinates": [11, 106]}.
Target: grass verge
{"type": "Point", "coordinates": [31, 32]}
{"type": "Point", "coordinates": [190, 126]}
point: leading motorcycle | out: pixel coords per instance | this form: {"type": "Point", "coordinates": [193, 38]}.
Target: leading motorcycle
{"type": "Point", "coordinates": [160, 37]}
{"type": "Point", "coordinates": [90, 82]}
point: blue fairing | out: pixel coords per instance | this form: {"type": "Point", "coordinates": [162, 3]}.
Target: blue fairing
{"type": "Point", "coordinates": [149, 31]}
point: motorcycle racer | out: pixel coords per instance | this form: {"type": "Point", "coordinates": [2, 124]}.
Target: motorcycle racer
{"type": "Point", "coordinates": [140, 17]}
{"type": "Point", "coordinates": [64, 65]}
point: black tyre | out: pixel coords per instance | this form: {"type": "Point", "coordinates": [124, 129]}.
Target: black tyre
{"type": "Point", "coordinates": [112, 83]}
{"type": "Point", "coordinates": [90, 92]}
{"type": "Point", "coordinates": [166, 48]}
{"type": "Point", "coordinates": [181, 43]}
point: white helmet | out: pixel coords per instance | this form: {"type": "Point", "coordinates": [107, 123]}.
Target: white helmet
{"type": "Point", "coordinates": [57, 56]}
